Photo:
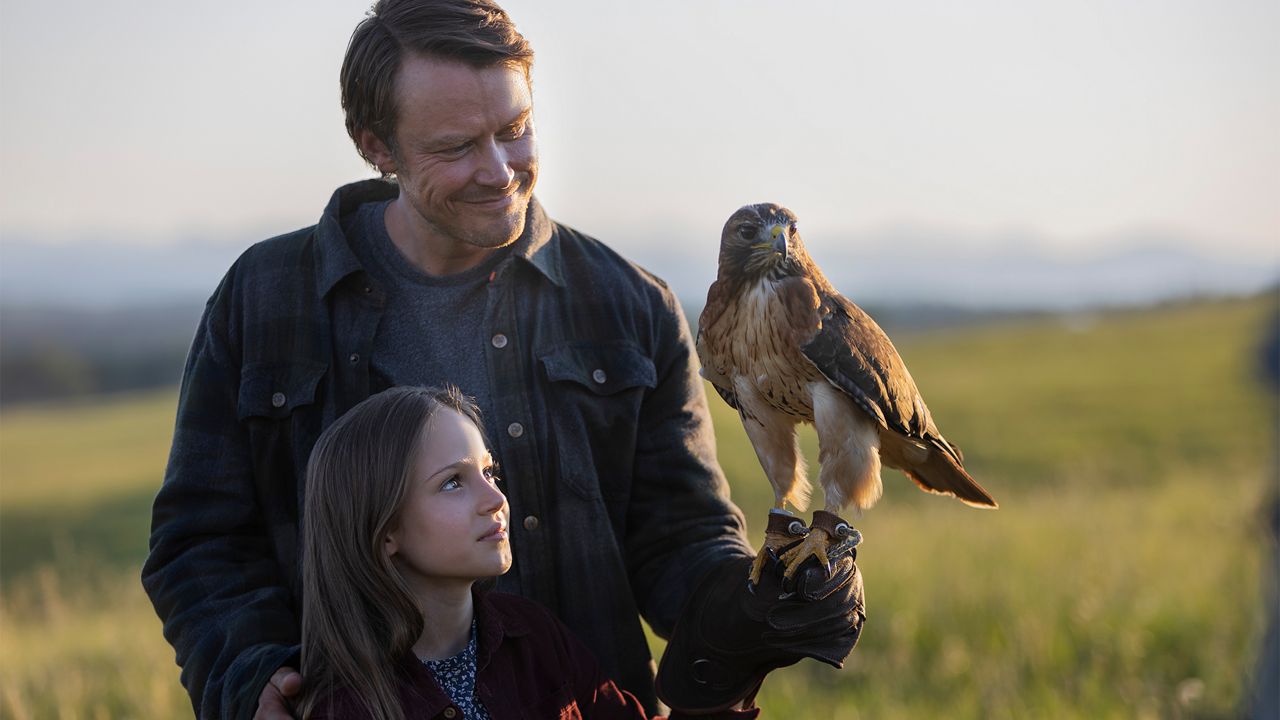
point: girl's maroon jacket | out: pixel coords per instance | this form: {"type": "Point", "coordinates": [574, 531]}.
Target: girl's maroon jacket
{"type": "Point", "coordinates": [528, 665]}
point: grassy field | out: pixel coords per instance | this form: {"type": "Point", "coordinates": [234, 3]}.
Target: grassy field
{"type": "Point", "coordinates": [1121, 578]}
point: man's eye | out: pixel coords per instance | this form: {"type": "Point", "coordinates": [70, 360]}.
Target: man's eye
{"type": "Point", "coordinates": [516, 132]}
{"type": "Point", "coordinates": [456, 150]}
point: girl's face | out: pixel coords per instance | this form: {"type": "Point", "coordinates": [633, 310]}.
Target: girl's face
{"type": "Point", "coordinates": [453, 524]}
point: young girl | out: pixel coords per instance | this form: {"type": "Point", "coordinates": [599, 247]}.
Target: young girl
{"type": "Point", "coordinates": [403, 516]}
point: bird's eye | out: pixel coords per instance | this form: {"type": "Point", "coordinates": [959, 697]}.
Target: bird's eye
{"type": "Point", "coordinates": [792, 230]}
{"type": "Point", "coordinates": [746, 232]}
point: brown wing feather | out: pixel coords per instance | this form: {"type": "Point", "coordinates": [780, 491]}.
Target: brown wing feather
{"type": "Point", "coordinates": [855, 355]}
{"type": "Point", "coordinates": [851, 351]}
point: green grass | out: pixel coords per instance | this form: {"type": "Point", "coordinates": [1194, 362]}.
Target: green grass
{"type": "Point", "coordinates": [61, 455]}
{"type": "Point", "coordinates": [1130, 451]}
{"type": "Point", "coordinates": [77, 480]}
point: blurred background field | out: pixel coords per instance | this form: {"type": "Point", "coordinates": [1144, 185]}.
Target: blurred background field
{"type": "Point", "coordinates": [1131, 452]}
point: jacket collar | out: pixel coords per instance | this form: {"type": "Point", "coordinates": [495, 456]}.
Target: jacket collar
{"type": "Point", "coordinates": [493, 623]}
{"type": "Point", "coordinates": [538, 245]}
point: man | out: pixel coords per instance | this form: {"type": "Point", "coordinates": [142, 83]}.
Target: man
{"type": "Point", "coordinates": [581, 362]}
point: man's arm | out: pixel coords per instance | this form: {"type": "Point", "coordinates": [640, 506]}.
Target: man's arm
{"type": "Point", "coordinates": [210, 573]}
{"type": "Point", "coordinates": [682, 523]}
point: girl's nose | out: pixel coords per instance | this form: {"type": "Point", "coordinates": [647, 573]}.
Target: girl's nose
{"type": "Point", "coordinates": [493, 500]}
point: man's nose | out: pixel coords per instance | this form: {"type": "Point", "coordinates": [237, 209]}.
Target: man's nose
{"type": "Point", "coordinates": [495, 166]}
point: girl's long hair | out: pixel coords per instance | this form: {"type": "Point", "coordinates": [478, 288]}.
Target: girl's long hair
{"type": "Point", "coordinates": [359, 617]}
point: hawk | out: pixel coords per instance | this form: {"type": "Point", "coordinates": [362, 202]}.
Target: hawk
{"type": "Point", "coordinates": [782, 347]}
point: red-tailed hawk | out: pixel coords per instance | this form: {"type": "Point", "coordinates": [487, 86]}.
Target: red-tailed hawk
{"type": "Point", "coordinates": [783, 347]}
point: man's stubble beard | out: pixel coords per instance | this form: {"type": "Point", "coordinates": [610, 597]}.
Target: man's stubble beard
{"type": "Point", "coordinates": [519, 221]}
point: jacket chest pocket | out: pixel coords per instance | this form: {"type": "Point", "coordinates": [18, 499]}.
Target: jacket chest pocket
{"type": "Point", "coordinates": [596, 391]}
{"type": "Point", "coordinates": [274, 406]}
{"type": "Point", "coordinates": [273, 391]}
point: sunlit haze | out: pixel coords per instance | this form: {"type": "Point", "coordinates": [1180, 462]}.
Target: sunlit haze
{"type": "Point", "coordinates": [1076, 127]}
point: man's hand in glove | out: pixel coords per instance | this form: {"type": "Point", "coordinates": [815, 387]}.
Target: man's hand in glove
{"type": "Point", "coordinates": [730, 635]}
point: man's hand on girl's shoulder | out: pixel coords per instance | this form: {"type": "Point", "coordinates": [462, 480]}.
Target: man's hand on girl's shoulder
{"type": "Point", "coordinates": [273, 703]}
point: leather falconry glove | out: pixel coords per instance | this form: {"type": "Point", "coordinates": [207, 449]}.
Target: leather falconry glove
{"type": "Point", "coordinates": [730, 635]}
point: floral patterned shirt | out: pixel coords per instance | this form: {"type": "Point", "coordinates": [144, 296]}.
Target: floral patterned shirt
{"type": "Point", "coordinates": [457, 677]}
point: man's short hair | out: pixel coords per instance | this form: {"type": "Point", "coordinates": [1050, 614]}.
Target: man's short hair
{"type": "Point", "coordinates": [475, 32]}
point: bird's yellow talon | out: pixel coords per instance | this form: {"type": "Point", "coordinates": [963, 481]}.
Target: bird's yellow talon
{"type": "Point", "coordinates": [813, 545]}
{"type": "Point", "coordinates": [782, 532]}
{"type": "Point", "coordinates": [757, 565]}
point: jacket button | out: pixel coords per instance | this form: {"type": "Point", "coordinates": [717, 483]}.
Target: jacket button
{"type": "Point", "coordinates": [355, 358]}
{"type": "Point", "coordinates": [531, 522]}
{"type": "Point", "coordinates": [599, 376]}
{"type": "Point", "coordinates": [499, 341]}
{"type": "Point", "coordinates": [515, 430]}
{"type": "Point", "coordinates": [450, 713]}
{"type": "Point", "coordinates": [277, 400]}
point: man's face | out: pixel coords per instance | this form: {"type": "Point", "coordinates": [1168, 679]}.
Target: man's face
{"type": "Point", "coordinates": [467, 158]}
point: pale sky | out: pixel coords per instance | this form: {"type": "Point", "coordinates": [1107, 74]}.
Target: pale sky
{"type": "Point", "coordinates": [1077, 123]}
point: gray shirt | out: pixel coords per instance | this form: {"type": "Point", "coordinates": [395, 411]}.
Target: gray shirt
{"type": "Point", "coordinates": [432, 331]}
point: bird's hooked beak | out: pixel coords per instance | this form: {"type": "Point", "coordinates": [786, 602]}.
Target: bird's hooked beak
{"type": "Point", "coordinates": [779, 233]}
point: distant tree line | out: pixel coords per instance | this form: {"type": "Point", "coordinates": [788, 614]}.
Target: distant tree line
{"type": "Point", "coordinates": [50, 353]}
{"type": "Point", "coordinates": [57, 373]}
{"type": "Point", "coordinates": [53, 353]}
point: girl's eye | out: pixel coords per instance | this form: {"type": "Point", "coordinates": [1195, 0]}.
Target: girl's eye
{"type": "Point", "coordinates": [491, 473]}
{"type": "Point", "coordinates": [453, 483]}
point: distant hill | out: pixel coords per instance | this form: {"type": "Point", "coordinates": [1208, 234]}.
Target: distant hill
{"type": "Point", "coordinates": [889, 268]}
{"type": "Point", "coordinates": [894, 271]}
{"type": "Point", "coordinates": [99, 273]}
{"type": "Point", "coordinates": [63, 352]}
